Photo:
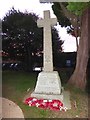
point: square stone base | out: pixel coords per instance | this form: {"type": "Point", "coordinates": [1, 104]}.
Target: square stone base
{"type": "Point", "coordinates": [48, 83]}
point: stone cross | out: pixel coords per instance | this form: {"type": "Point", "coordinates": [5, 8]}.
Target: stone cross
{"type": "Point", "coordinates": [46, 23]}
{"type": "Point", "coordinates": [48, 84]}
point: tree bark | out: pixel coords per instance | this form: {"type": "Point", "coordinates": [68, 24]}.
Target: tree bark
{"type": "Point", "coordinates": [78, 78]}
{"type": "Point", "coordinates": [76, 44]}
{"type": "Point", "coordinates": [76, 36]}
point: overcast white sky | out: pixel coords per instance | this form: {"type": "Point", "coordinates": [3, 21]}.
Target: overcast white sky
{"type": "Point", "coordinates": [38, 8]}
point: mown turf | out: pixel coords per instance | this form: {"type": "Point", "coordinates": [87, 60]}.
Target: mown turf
{"type": "Point", "coordinates": [15, 85]}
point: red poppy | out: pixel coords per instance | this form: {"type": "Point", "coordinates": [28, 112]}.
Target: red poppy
{"type": "Point", "coordinates": [56, 105]}
{"type": "Point", "coordinates": [40, 101]}
{"type": "Point", "coordinates": [34, 103]}
{"type": "Point", "coordinates": [28, 99]}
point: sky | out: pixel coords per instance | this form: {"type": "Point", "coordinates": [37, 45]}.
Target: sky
{"type": "Point", "coordinates": [36, 7]}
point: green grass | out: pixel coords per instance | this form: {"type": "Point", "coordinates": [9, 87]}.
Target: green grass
{"type": "Point", "coordinates": [16, 84]}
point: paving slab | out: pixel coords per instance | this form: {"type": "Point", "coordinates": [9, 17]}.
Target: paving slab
{"type": "Point", "coordinates": [66, 99]}
{"type": "Point", "coordinates": [9, 109]}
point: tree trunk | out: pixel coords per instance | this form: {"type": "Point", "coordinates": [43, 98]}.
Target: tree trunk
{"type": "Point", "coordinates": [77, 43]}
{"type": "Point", "coordinates": [76, 36]}
{"type": "Point", "coordinates": [78, 78]}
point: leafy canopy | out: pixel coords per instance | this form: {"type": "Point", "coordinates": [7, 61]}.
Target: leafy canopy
{"type": "Point", "coordinates": [22, 37]}
{"type": "Point", "coordinates": [77, 7]}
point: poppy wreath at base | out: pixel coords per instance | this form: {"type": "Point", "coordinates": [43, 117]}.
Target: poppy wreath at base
{"type": "Point", "coordinates": [55, 105]}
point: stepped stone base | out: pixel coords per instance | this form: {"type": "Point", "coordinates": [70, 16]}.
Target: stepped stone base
{"type": "Point", "coordinates": [64, 98]}
{"type": "Point", "coordinates": [48, 96]}
{"type": "Point", "coordinates": [48, 86]}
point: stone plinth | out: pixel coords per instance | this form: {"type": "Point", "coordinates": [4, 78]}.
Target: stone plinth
{"type": "Point", "coordinates": [48, 86]}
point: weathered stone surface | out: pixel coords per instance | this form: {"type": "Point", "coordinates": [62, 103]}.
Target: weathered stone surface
{"type": "Point", "coordinates": [66, 99]}
{"type": "Point", "coordinates": [48, 83]}
{"type": "Point", "coordinates": [48, 96]}
{"type": "Point", "coordinates": [46, 23]}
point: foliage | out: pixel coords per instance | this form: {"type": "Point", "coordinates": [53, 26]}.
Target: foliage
{"type": "Point", "coordinates": [56, 42]}
{"type": "Point", "coordinates": [62, 19]}
{"type": "Point", "coordinates": [19, 29]}
{"type": "Point", "coordinates": [22, 38]}
{"type": "Point", "coordinates": [77, 7]}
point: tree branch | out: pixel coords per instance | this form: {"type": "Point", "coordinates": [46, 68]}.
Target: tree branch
{"type": "Point", "coordinates": [72, 17]}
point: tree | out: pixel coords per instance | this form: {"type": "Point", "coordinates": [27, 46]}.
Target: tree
{"type": "Point", "coordinates": [67, 19]}
{"type": "Point", "coordinates": [18, 33]}
{"type": "Point", "coordinates": [79, 76]}
{"type": "Point", "coordinates": [78, 15]}
{"type": "Point", "coordinates": [22, 39]}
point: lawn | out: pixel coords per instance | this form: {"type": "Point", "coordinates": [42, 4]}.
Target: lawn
{"type": "Point", "coordinates": [15, 85]}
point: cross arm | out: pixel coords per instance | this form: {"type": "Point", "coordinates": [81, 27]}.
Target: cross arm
{"type": "Point", "coordinates": [40, 23]}
{"type": "Point", "coordinates": [53, 21]}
